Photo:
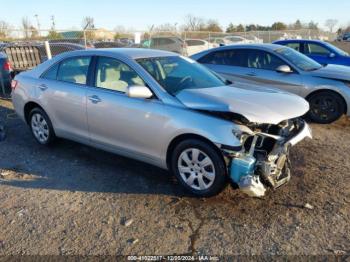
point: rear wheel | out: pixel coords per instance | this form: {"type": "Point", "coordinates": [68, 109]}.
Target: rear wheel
{"type": "Point", "coordinates": [325, 107]}
{"type": "Point", "coordinates": [199, 168]}
{"type": "Point", "coordinates": [41, 127]}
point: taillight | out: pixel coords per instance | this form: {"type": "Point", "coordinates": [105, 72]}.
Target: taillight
{"type": "Point", "coordinates": [7, 66]}
{"type": "Point", "coordinates": [14, 84]}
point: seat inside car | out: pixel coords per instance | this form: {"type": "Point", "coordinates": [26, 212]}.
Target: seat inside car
{"type": "Point", "coordinates": [73, 74]}
{"type": "Point", "coordinates": [109, 77]}
{"type": "Point", "coordinates": [131, 78]}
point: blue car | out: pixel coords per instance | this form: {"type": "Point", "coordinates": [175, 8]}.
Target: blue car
{"type": "Point", "coordinates": [322, 52]}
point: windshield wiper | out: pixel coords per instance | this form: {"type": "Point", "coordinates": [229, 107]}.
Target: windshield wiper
{"type": "Point", "coordinates": [313, 69]}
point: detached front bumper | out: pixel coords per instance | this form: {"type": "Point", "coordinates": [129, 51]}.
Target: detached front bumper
{"type": "Point", "coordinates": [259, 167]}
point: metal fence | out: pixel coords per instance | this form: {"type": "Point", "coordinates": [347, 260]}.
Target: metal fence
{"type": "Point", "coordinates": [88, 38]}
{"type": "Point", "coordinates": [26, 48]}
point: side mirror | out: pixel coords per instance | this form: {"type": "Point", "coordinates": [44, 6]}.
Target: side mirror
{"type": "Point", "coordinates": [331, 55]}
{"type": "Point", "coordinates": [139, 92]}
{"type": "Point", "coordinates": [284, 69]}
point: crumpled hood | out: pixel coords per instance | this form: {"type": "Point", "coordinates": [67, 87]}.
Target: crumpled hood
{"type": "Point", "coordinates": [338, 72]}
{"type": "Point", "coordinates": [263, 106]}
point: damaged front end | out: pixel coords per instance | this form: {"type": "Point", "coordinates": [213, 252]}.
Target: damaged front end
{"type": "Point", "coordinates": [264, 159]}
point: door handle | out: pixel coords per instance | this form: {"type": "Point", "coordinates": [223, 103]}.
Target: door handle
{"type": "Point", "coordinates": [43, 87]}
{"type": "Point", "coordinates": [251, 74]}
{"type": "Point", "coordinates": [95, 99]}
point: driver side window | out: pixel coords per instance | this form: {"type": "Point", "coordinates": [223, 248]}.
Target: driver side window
{"type": "Point", "coordinates": [315, 49]}
{"type": "Point", "coordinates": [114, 75]}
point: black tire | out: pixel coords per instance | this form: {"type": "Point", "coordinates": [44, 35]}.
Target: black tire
{"type": "Point", "coordinates": [220, 171]}
{"type": "Point", "coordinates": [325, 107]}
{"type": "Point", "coordinates": [51, 133]}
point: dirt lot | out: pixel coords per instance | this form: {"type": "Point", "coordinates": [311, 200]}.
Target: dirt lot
{"type": "Point", "coordinates": [72, 199]}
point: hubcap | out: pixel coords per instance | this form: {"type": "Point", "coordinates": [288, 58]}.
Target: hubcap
{"type": "Point", "coordinates": [324, 107]}
{"type": "Point", "coordinates": [40, 128]}
{"type": "Point", "coordinates": [196, 169]}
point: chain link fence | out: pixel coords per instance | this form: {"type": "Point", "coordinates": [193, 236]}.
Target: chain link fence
{"type": "Point", "coordinates": [26, 48]}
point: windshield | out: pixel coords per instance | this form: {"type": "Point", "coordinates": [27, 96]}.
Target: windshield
{"type": "Point", "coordinates": [297, 59]}
{"type": "Point", "coordinates": [337, 50]}
{"type": "Point", "coordinates": [176, 73]}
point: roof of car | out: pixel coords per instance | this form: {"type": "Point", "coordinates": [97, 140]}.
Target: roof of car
{"type": "Point", "coordinates": [249, 46]}
{"type": "Point", "coordinates": [298, 40]}
{"type": "Point", "coordinates": [131, 53]}
{"type": "Point", "coordinates": [266, 47]}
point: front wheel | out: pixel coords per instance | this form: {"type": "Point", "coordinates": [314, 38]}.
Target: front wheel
{"type": "Point", "coordinates": [325, 107]}
{"type": "Point", "coordinates": [199, 168]}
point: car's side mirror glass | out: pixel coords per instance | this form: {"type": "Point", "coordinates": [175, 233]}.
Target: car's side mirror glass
{"type": "Point", "coordinates": [139, 92]}
{"type": "Point", "coordinates": [284, 69]}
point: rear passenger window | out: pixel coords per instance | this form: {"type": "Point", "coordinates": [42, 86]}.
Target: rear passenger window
{"type": "Point", "coordinates": [229, 58]}
{"type": "Point", "coordinates": [74, 70]}
{"type": "Point", "coordinates": [295, 46]}
{"type": "Point", "coordinates": [51, 74]}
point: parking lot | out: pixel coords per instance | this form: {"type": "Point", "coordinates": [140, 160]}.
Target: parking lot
{"type": "Point", "coordinates": [72, 199]}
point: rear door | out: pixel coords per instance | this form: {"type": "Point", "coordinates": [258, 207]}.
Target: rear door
{"type": "Point", "coordinates": [62, 91]}
{"type": "Point", "coordinates": [229, 63]}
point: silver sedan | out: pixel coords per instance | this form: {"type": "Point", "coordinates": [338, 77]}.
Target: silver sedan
{"type": "Point", "coordinates": [326, 88]}
{"type": "Point", "coordinates": [166, 110]}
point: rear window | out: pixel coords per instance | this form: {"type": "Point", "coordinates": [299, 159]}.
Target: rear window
{"type": "Point", "coordinates": [51, 74]}
{"type": "Point", "coordinates": [74, 70]}
{"type": "Point", "coordinates": [163, 41]}
{"type": "Point", "coordinates": [194, 42]}
{"type": "Point", "coordinates": [295, 46]}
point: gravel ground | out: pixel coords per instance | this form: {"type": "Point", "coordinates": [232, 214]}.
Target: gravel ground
{"type": "Point", "coordinates": [72, 199]}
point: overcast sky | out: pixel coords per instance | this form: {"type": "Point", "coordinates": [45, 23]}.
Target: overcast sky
{"type": "Point", "coordinates": [139, 14]}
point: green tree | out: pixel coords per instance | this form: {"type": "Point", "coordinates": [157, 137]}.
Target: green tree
{"type": "Point", "coordinates": [278, 26]}
{"type": "Point", "coordinates": [240, 28]}
{"type": "Point", "coordinates": [297, 25]}
{"type": "Point", "coordinates": [312, 25]}
{"type": "Point", "coordinates": [231, 28]}
{"type": "Point", "coordinates": [212, 26]}
{"type": "Point", "coordinates": [251, 27]}
{"type": "Point", "coordinates": [54, 35]}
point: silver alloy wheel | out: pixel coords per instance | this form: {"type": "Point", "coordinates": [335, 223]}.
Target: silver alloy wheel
{"type": "Point", "coordinates": [40, 128]}
{"type": "Point", "coordinates": [196, 169]}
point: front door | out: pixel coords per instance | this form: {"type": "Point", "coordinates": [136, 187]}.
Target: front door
{"type": "Point", "coordinates": [262, 71]}
{"type": "Point", "coordinates": [125, 125]}
{"type": "Point", "coordinates": [318, 53]}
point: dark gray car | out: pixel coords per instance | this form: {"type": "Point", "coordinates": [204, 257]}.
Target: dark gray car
{"type": "Point", "coordinates": [172, 44]}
